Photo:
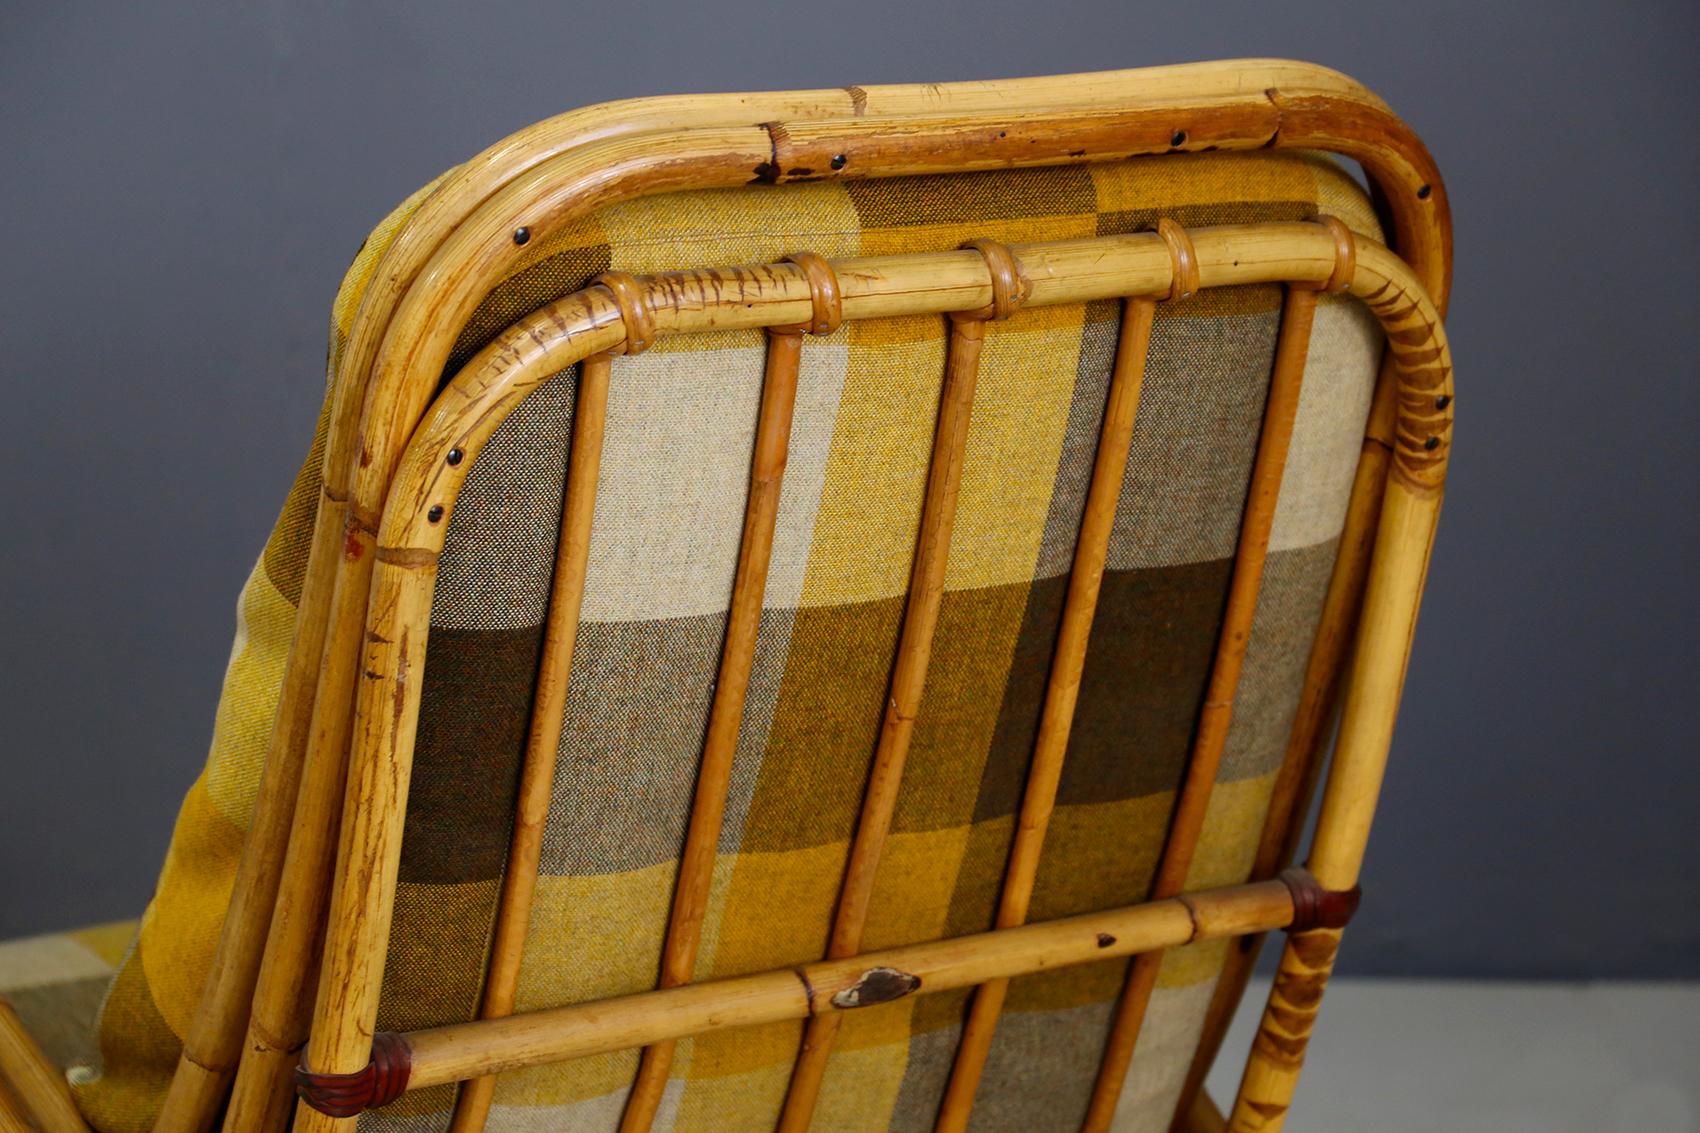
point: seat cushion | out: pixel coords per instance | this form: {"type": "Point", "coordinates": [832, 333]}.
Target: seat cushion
{"type": "Point", "coordinates": [56, 983]}
{"type": "Point", "coordinates": [663, 551]}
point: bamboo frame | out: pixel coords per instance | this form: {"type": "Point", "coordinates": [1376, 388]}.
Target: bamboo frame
{"type": "Point", "coordinates": [592, 321]}
{"type": "Point", "coordinates": [1295, 783]}
{"type": "Point", "coordinates": [1405, 539]}
{"type": "Point", "coordinates": [458, 244]}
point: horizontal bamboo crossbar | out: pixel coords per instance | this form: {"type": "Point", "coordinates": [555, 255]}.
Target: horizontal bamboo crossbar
{"type": "Point", "coordinates": [468, 1050]}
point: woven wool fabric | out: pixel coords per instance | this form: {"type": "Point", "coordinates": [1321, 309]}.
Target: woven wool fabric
{"type": "Point", "coordinates": [56, 983]}
{"type": "Point", "coordinates": [674, 483]}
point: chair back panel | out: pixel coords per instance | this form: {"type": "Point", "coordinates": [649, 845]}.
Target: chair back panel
{"type": "Point", "coordinates": [670, 505]}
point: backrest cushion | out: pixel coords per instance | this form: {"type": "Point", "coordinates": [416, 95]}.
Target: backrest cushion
{"type": "Point", "coordinates": [664, 546]}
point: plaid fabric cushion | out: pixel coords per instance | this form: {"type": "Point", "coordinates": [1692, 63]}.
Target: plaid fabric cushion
{"type": "Point", "coordinates": [674, 482]}
{"type": "Point", "coordinates": [55, 983]}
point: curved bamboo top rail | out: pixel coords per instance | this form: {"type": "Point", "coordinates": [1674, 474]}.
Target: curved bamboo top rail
{"type": "Point", "coordinates": [1219, 112]}
{"type": "Point", "coordinates": [588, 322]}
{"type": "Point", "coordinates": [482, 176]}
{"type": "Point", "coordinates": [595, 321]}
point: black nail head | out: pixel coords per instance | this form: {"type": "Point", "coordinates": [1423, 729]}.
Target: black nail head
{"type": "Point", "coordinates": [1105, 940]}
{"type": "Point", "coordinates": [1443, 401]}
{"type": "Point", "coordinates": [1432, 443]}
{"type": "Point", "coordinates": [1179, 138]}
{"type": "Point", "coordinates": [456, 456]}
{"type": "Point", "coordinates": [435, 515]}
{"type": "Point", "coordinates": [522, 235]}
{"type": "Point", "coordinates": [839, 161]}
{"type": "Point", "coordinates": [1422, 193]}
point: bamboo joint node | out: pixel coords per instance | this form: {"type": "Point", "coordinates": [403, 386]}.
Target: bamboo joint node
{"type": "Point", "coordinates": [1316, 907]}
{"type": "Point", "coordinates": [1183, 279]}
{"type": "Point", "coordinates": [634, 310]}
{"type": "Point", "coordinates": [1345, 255]}
{"type": "Point", "coordinates": [381, 1082]}
{"type": "Point", "coordinates": [824, 293]}
{"type": "Point", "coordinates": [1010, 285]}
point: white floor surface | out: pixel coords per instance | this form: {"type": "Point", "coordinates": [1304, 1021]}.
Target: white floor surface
{"type": "Point", "coordinates": [1408, 1056]}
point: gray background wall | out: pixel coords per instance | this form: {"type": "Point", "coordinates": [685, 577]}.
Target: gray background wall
{"type": "Point", "coordinates": [182, 185]}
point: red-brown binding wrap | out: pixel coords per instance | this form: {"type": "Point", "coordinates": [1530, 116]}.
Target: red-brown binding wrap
{"type": "Point", "coordinates": [1183, 258]}
{"type": "Point", "coordinates": [347, 1095]}
{"type": "Point", "coordinates": [1316, 907]}
{"type": "Point", "coordinates": [634, 310]}
{"type": "Point", "coordinates": [823, 293]}
{"type": "Point", "coordinates": [1009, 284]}
{"type": "Point", "coordinates": [1345, 253]}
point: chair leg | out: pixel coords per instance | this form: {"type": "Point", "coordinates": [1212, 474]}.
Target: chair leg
{"type": "Point", "coordinates": [1278, 1052]}
{"type": "Point", "coordinates": [29, 1079]}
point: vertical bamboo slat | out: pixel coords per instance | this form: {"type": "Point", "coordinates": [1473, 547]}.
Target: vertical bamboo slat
{"type": "Point", "coordinates": [909, 676]}
{"type": "Point", "coordinates": [543, 741]}
{"type": "Point", "coordinates": [1211, 735]}
{"type": "Point", "coordinates": [1061, 693]}
{"type": "Point", "coordinates": [737, 659]}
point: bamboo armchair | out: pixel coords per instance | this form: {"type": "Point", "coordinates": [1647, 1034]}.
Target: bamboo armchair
{"type": "Point", "coordinates": [427, 382]}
